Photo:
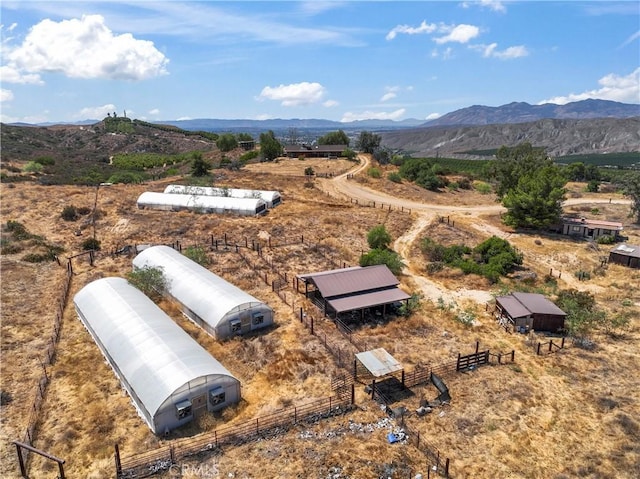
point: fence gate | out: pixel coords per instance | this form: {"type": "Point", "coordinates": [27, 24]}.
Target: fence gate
{"type": "Point", "coordinates": [472, 360]}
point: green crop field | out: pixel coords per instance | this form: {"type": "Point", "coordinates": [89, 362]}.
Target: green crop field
{"type": "Point", "coordinates": [630, 160]}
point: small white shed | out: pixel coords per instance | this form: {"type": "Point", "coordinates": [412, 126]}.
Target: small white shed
{"type": "Point", "coordinates": [271, 198]}
{"type": "Point", "coordinates": [202, 203]}
{"type": "Point", "coordinates": [219, 307]}
{"type": "Point", "coordinates": [170, 378]}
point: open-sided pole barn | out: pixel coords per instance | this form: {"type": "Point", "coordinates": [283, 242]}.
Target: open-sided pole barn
{"type": "Point", "coordinates": [352, 289]}
{"type": "Point", "coordinates": [170, 378]}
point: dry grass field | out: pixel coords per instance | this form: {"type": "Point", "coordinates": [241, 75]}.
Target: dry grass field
{"type": "Point", "coordinates": [575, 413]}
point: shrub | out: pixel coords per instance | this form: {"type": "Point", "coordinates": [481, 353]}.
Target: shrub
{"type": "Point", "coordinates": [32, 167]}
{"type": "Point", "coordinates": [91, 244]}
{"type": "Point", "coordinates": [126, 177]}
{"type": "Point", "coordinates": [45, 160]}
{"type": "Point", "coordinates": [308, 171]}
{"type": "Point", "coordinates": [378, 237]}
{"type": "Point", "coordinates": [464, 183]}
{"type": "Point", "coordinates": [151, 281]}
{"type": "Point", "coordinates": [395, 177]}
{"type": "Point", "coordinates": [197, 254]}
{"type": "Point", "coordinates": [383, 256]}
{"type": "Point", "coordinates": [482, 187]}
{"type": "Point", "coordinates": [374, 172]}
{"type": "Point", "coordinates": [606, 239]}
{"type": "Point", "coordinates": [69, 213]}
{"type": "Point", "coordinates": [18, 230]}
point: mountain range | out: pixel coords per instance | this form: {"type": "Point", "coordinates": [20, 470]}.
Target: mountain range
{"type": "Point", "coordinates": [516, 112]}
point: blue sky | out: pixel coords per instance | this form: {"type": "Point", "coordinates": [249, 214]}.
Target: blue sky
{"type": "Point", "coordinates": [337, 60]}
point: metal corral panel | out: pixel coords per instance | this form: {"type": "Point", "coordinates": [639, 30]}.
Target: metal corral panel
{"type": "Point", "coordinates": [271, 198]}
{"type": "Point", "coordinates": [368, 300]}
{"type": "Point", "coordinates": [338, 282]}
{"type": "Point", "coordinates": [157, 362]}
{"type": "Point", "coordinates": [202, 203]}
{"type": "Point", "coordinates": [379, 362]}
{"type": "Point", "coordinates": [209, 300]}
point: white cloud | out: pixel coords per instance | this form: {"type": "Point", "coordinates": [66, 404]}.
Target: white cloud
{"type": "Point", "coordinates": [86, 48]}
{"type": "Point", "coordinates": [423, 28]}
{"type": "Point", "coordinates": [94, 112]}
{"type": "Point", "coordinates": [373, 115]}
{"type": "Point", "coordinates": [295, 94]}
{"type": "Point", "coordinates": [183, 118]}
{"type": "Point", "coordinates": [495, 5]}
{"type": "Point", "coordinates": [624, 89]}
{"type": "Point", "coordinates": [9, 74]}
{"type": "Point", "coordinates": [491, 51]}
{"type": "Point", "coordinates": [155, 111]}
{"type": "Point", "coordinates": [433, 116]}
{"type": "Point", "coordinates": [330, 103]}
{"type": "Point", "coordinates": [388, 96]}
{"type": "Point", "coordinates": [5, 95]}
{"type": "Point", "coordinates": [460, 34]}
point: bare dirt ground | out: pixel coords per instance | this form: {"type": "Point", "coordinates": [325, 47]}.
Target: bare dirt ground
{"type": "Point", "coordinates": [571, 414]}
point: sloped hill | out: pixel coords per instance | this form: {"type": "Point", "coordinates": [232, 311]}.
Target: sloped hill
{"type": "Point", "coordinates": [559, 137]}
{"type": "Point", "coordinates": [97, 142]}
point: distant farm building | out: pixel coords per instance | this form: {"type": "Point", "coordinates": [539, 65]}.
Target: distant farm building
{"type": "Point", "coordinates": [217, 306]}
{"type": "Point", "coordinates": [202, 203]}
{"type": "Point", "coordinates": [314, 151]}
{"type": "Point", "coordinates": [170, 378]}
{"type": "Point", "coordinates": [526, 311]}
{"type": "Point", "coordinates": [626, 255]}
{"type": "Point", "coordinates": [271, 198]}
{"type": "Point", "coordinates": [586, 228]}
{"type": "Point", "coordinates": [353, 290]}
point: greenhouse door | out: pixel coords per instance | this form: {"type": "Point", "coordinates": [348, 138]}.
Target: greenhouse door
{"type": "Point", "coordinates": [199, 405]}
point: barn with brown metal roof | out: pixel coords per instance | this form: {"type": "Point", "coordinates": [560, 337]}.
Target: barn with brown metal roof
{"type": "Point", "coordinates": [355, 289]}
{"type": "Point", "coordinates": [526, 311]}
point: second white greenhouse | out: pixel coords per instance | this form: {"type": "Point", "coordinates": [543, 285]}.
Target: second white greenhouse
{"type": "Point", "coordinates": [219, 307]}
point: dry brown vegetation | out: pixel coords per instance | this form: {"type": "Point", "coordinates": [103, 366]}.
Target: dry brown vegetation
{"type": "Point", "coordinates": [571, 414]}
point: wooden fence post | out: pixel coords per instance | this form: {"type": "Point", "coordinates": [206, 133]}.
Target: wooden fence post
{"type": "Point", "coordinates": [118, 462]}
{"type": "Point", "coordinates": [539, 344]}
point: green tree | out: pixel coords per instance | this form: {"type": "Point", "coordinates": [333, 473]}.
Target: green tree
{"type": "Point", "coordinates": [308, 171]}
{"type": "Point", "coordinates": [244, 137]}
{"type": "Point", "coordinates": [536, 200]}
{"type": "Point", "coordinates": [630, 185]}
{"type": "Point", "coordinates": [382, 155]}
{"type": "Point", "coordinates": [513, 163]}
{"type": "Point", "coordinates": [200, 166]}
{"type": "Point", "coordinates": [197, 254]}
{"type": "Point", "coordinates": [270, 147]}
{"type": "Point", "coordinates": [582, 315]}
{"type": "Point", "coordinates": [368, 142]}
{"type": "Point", "coordinates": [227, 142]}
{"type": "Point", "coordinates": [334, 138]}
{"type": "Point", "coordinates": [349, 154]}
{"type": "Point", "coordinates": [378, 237]}
{"type": "Point", "coordinates": [383, 256]}
{"type": "Point", "coordinates": [151, 281]}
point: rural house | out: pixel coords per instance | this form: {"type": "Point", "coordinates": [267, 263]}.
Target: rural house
{"type": "Point", "coordinates": [169, 377]}
{"type": "Point", "coordinates": [587, 228]}
{"type": "Point", "coordinates": [354, 290]}
{"type": "Point", "coordinates": [527, 311]}
{"type": "Point", "coordinates": [626, 255]}
{"type": "Point", "coordinates": [220, 308]}
{"type": "Point", "coordinates": [315, 151]}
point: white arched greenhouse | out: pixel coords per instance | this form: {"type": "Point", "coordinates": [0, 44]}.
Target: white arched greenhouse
{"type": "Point", "coordinates": [170, 378]}
{"type": "Point", "coordinates": [202, 203]}
{"type": "Point", "coordinates": [217, 306]}
{"type": "Point", "coordinates": [271, 198]}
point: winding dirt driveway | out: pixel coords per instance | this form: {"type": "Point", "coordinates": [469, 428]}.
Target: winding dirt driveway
{"type": "Point", "coordinates": [341, 187]}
